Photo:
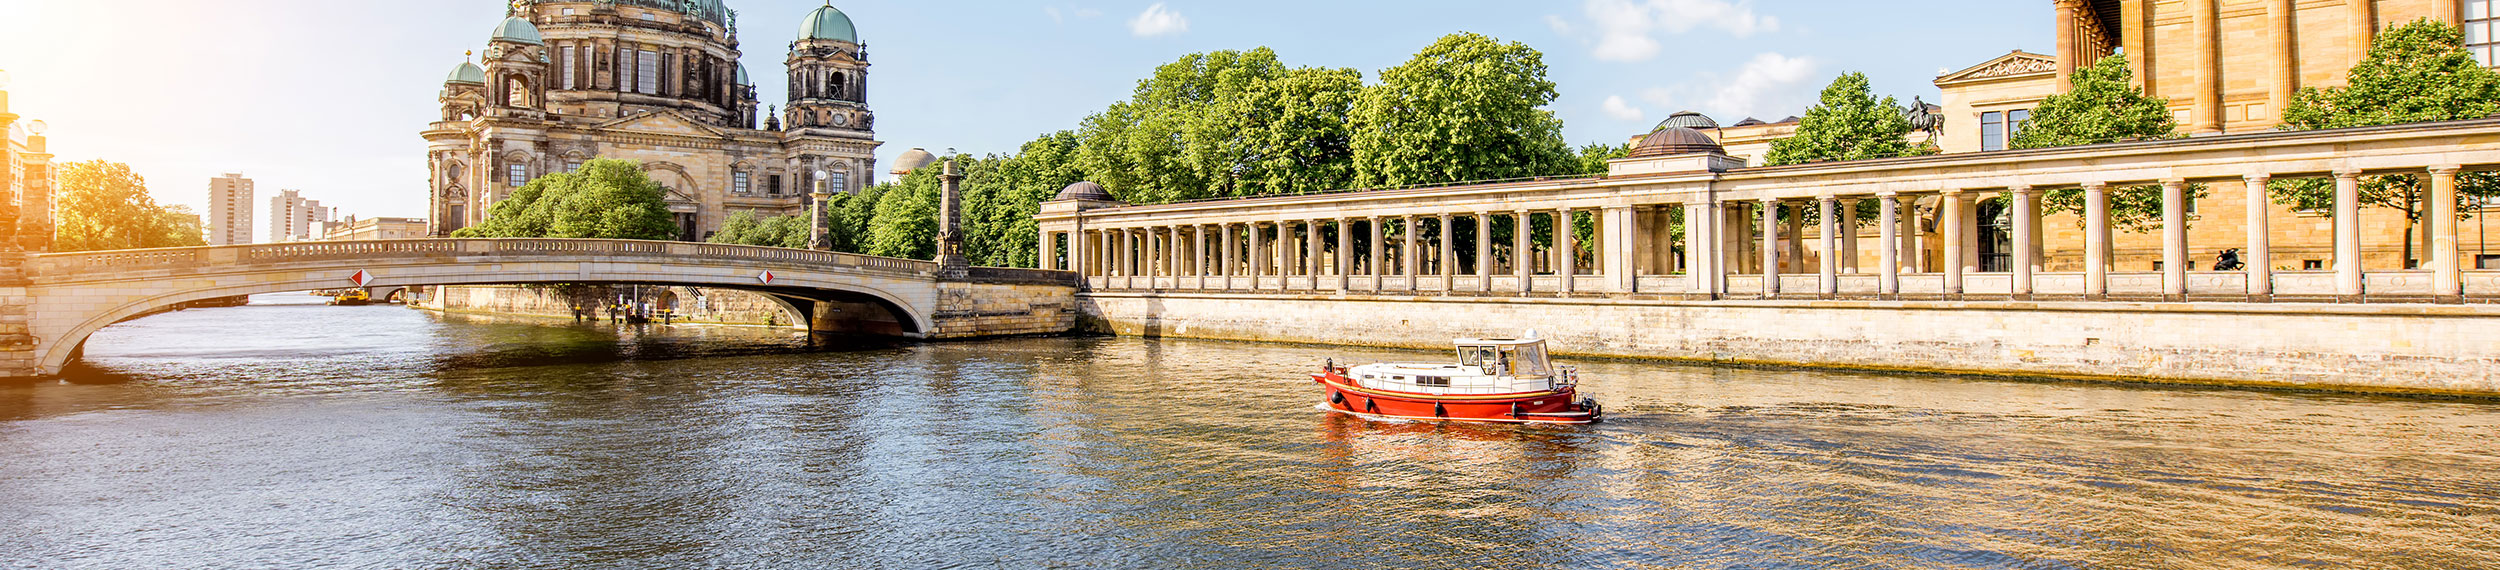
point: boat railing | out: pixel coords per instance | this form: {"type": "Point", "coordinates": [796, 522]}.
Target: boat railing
{"type": "Point", "coordinates": [1566, 377]}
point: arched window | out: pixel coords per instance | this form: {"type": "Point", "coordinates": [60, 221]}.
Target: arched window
{"type": "Point", "coordinates": [836, 86]}
{"type": "Point", "coordinates": [518, 92]}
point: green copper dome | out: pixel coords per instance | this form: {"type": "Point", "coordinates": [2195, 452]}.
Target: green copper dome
{"type": "Point", "coordinates": [742, 75]}
{"type": "Point", "coordinates": [467, 73]}
{"type": "Point", "coordinates": [515, 29]}
{"type": "Point", "coordinates": [828, 23]}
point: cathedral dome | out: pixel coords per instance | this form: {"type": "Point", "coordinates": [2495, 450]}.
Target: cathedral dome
{"type": "Point", "coordinates": [913, 159]}
{"type": "Point", "coordinates": [1689, 120]}
{"type": "Point", "coordinates": [1671, 141]}
{"type": "Point", "coordinates": [742, 76]}
{"type": "Point", "coordinates": [467, 73]}
{"type": "Point", "coordinates": [828, 23]}
{"type": "Point", "coordinates": [515, 29]}
{"type": "Point", "coordinates": [1085, 191]}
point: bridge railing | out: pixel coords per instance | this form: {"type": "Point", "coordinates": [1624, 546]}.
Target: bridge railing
{"type": "Point", "coordinates": [174, 258]}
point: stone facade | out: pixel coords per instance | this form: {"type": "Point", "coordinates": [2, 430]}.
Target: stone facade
{"type": "Point", "coordinates": [567, 81]}
{"type": "Point", "coordinates": [2449, 350]}
{"type": "Point", "coordinates": [972, 310]}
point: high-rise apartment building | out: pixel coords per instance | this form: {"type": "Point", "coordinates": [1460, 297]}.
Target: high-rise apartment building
{"type": "Point", "coordinates": [230, 210]}
{"type": "Point", "coordinates": [293, 218]}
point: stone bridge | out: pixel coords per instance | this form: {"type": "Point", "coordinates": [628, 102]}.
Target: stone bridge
{"type": "Point", "coordinates": [64, 297]}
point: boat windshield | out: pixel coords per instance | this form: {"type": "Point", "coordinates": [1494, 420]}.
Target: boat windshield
{"type": "Point", "coordinates": [1528, 360]}
{"type": "Point", "coordinates": [1480, 356]}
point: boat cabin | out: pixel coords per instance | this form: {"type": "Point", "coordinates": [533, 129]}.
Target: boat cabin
{"type": "Point", "coordinates": [1485, 366]}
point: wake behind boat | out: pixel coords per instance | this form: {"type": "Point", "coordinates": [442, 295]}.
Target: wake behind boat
{"type": "Point", "coordinates": [1495, 380]}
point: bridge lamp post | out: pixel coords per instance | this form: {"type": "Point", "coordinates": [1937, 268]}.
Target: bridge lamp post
{"type": "Point", "coordinates": [818, 231]}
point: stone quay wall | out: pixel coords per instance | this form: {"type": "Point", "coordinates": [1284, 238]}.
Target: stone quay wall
{"type": "Point", "coordinates": [971, 310]}
{"type": "Point", "coordinates": [2370, 348]}
{"type": "Point", "coordinates": [696, 305]}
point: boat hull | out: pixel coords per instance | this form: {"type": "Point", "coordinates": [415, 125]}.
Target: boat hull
{"type": "Point", "coordinates": [1550, 407]}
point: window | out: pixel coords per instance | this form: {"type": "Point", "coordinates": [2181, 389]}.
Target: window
{"type": "Point", "coordinates": [571, 59]}
{"type": "Point", "coordinates": [519, 173]}
{"type": "Point", "coordinates": [2487, 262]}
{"type": "Point", "coordinates": [2480, 22]}
{"type": "Point", "coordinates": [738, 183]}
{"type": "Point", "coordinates": [572, 166]}
{"type": "Point", "coordinates": [1997, 128]}
{"type": "Point", "coordinates": [2312, 265]}
{"type": "Point", "coordinates": [647, 72]}
{"type": "Point", "coordinates": [773, 185]}
{"type": "Point", "coordinates": [839, 182]}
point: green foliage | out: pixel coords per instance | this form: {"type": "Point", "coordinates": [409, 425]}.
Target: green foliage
{"type": "Point", "coordinates": [1592, 159]}
{"type": "Point", "coordinates": [105, 205]}
{"type": "Point", "coordinates": [606, 199]}
{"type": "Point", "coordinates": [1224, 124]}
{"type": "Point", "coordinates": [743, 228]}
{"type": "Point", "coordinates": [2103, 107]}
{"type": "Point", "coordinates": [1468, 107]}
{"type": "Point", "coordinates": [1849, 124]}
{"type": "Point", "coordinates": [904, 223]}
{"type": "Point", "coordinates": [2415, 72]}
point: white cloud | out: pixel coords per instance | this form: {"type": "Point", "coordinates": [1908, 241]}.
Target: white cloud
{"type": "Point", "coordinates": [1619, 109]}
{"type": "Point", "coordinates": [1769, 87]}
{"type": "Point", "coordinates": [1560, 25]}
{"type": "Point", "coordinates": [1627, 30]}
{"type": "Point", "coordinates": [1053, 11]}
{"type": "Point", "coordinates": [1158, 21]}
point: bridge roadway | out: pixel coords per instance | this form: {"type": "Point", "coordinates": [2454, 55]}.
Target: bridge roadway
{"type": "Point", "coordinates": [67, 296]}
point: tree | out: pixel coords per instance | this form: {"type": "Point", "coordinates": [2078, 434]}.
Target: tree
{"type": "Point", "coordinates": [1592, 159]}
{"type": "Point", "coordinates": [2415, 72]}
{"type": "Point", "coordinates": [1228, 123]}
{"type": "Point", "coordinates": [1849, 124]}
{"type": "Point", "coordinates": [2103, 107]}
{"type": "Point", "coordinates": [606, 198]}
{"type": "Point", "coordinates": [1468, 107]}
{"type": "Point", "coordinates": [105, 205]}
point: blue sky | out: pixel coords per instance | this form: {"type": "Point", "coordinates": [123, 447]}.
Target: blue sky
{"type": "Point", "coordinates": [327, 96]}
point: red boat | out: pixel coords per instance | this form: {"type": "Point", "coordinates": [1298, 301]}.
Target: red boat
{"type": "Point", "coordinates": [1495, 380]}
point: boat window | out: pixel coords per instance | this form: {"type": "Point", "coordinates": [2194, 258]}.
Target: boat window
{"type": "Point", "coordinates": [1474, 355]}
{"type": "Point", "coordinates": [1529, 360]}
{"type": "Point", "coordinates": [1433, 381]}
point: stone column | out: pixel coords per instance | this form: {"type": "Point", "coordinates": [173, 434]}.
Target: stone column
{"type": "Point", "coordinates": [2348, 274]}
{"type": "Point", "coordinates": [1484, 250]}
{"type": "Point", "coordinates": [2283, 44]}
{"type": "Point", "coordinates": [1849, 236]}
{"type": "Point", "coordinates": [1378, 254]}
{"type": "Point", "coordinates": [1345, 254]}
{"type": "Point", "coordinates": [1257, 259]}
{"type": "Point", "coordinates": [1888, 246]}
{"type": "Point", "coordinates": [1955, 226]}
{"type": "Point", "coordinates": [2204, 22]}
{"type": "Point", "coordinates": [1697, 250]}
{"type": "Point", "coordinates": [1796, 238]}
{"type": "Point", "coordinates": [1231, 266]}
{"type": "Point", "coordinates": [2446, 12]}
{"type": "Point", "coordinates": [1770, 211]}
{"type": "Point", "coordinates": [1313, 251]}
{"type": "Point", "coordinates": [1910, 253]}
{"type": "Point", "coordinates": [1198, 255]}
{"type": "Point", "coordinates": [2069, 44]}
{"type": "Point", "coordinates": [1566, 252]}
{"type": "Point", "coordinates": [2174, 242]}
{"type": "Point", "coordinates": [2446, 281]}
{"type": "Point", "coordinates": [2026, 241]}
{"type": "Point", "coordinates": [1288, 254]}
{"type": "Point", "coordinates": [2364, 20]}
{"type": "Point", "coordinates": [1828, 278]}
{"type": "Point", "coordinates": [950, 252]}
{"type": "Point", "coordinates": [1408, 260]}
{"type": "Point", "coordinates": [2096, 240]}
{"type": "Point", "coordinates": [2260, 253]}
{"type": "Point", "coordinates": [1448, 258]}
{"type": "Point", "coordinates": [1618, 236]}
{"type": "Point", "coordinates": [1523, 251]}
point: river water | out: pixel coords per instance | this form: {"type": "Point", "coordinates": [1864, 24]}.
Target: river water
{"type": "Point", "coordinates": [293, 435]}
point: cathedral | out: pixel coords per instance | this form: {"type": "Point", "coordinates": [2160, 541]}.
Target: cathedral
{"type": "Point", "coordinates": [657, 81]}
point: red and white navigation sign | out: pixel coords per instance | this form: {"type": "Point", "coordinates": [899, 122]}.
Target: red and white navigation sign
{"type": "Point", "coordinates": [766, 277]}
{"type": "Point", "coordinates": [361, 278]}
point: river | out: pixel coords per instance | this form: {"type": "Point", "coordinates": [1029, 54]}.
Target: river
{"type": "Point", "coordinates": [293, 435]}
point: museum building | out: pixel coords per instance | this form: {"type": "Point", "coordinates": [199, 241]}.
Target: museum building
{"type": "Point", "coordinates": [656, 81]}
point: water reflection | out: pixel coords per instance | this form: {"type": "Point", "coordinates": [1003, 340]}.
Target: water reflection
{"type": "Point", "coordinates": [311, 436]}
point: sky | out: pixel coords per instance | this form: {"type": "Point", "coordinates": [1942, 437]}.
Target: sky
{"type": "Point", "coordinates": [327, 96]}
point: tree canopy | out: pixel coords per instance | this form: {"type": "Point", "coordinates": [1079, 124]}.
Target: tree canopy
{"type": "Point", "coordinates": [1224, 124]}
{"type": "Point", "coordinates": [2414, 73]}
{"type": "Point", "coordinates": [606, 198]}
{"type": "Point", "coordinates": [2104, 107]}
{"type": "Point", "coordinates": [105, 205]}
{"type": "Point", "coordinates": [1468, 107]}
{"type": "Point", "coordinates": [1848, 124]}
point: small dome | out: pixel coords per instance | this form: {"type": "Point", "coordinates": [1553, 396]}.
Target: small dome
{"type": "Point", "coordinates": [1671, 141]}
{"type": "Point", "coordinates": [828, 23]}
{"type": "Point", "coordinates": [515, 29]}
{"type": "Point", "coordinates": [467, 73]}
{"type": "Point", "coordinates": [913, 159]}
{"type": "Point", "coordinates": [1689, 120]}
{"type": "Point", "coordinates": [742, 76]}
{"type": "Point", "coordinates": [1085, 191]}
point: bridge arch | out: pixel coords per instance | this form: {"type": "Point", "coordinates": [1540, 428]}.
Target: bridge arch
{"type": "Point", "coordinates": [79, 294]}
